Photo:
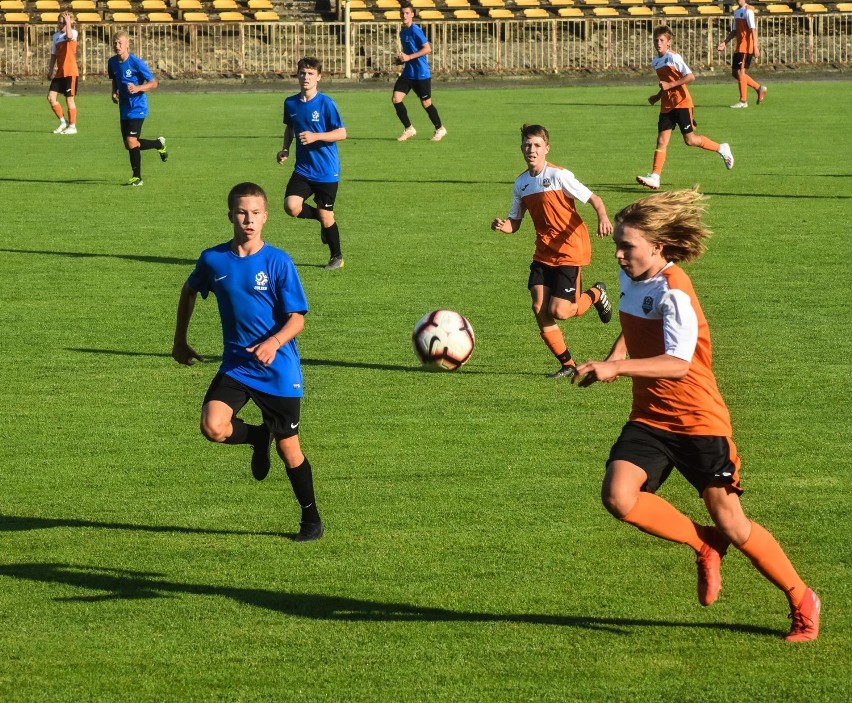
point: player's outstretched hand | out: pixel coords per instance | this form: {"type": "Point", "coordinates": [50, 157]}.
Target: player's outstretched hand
{"type": "Point", "coordinates": [185, 354]}
{"type": "Point", "coordinates": [604, 227]}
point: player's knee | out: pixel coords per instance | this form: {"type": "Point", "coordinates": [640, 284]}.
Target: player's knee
{"type": "Point", "coordinates": [617, 503]}
{"type": "Point", "coordinates": [427, 103]}
{"type": "Point", "coordinates": [563, 311]}
{"type": "Point", "coordinates": [214, 431]}
{"type": "Point", "coordinates": [292, 208]}
{"type": "Point", "coordinates": [326, 217]}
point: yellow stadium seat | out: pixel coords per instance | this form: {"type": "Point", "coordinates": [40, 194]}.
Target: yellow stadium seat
{"type": "Point", "coordinates": [259, 5]}
{"type": "Point", "coordinates": [561, 3]}
{"type": "Point", "coordinates": [266, 16]}
{"type": "Point", "coordinates": [632, 2]}
{"type": "Point", "coordinates": [674, 10]}
{"type": "Point", "coordinates": [392, 15]}
{"type": "Point", "coordinates": [78, 5]}
{"type": "Point", "coordinates": [811, 7]}
{"type": "Point", "coordinates": [160, 17]}
{"type": "Point", "coordinates": [381, 4]}
{"type": "Point", "coordinates": [225, 5]}
{"type": "Point", "coordinates": [84, 17]}
{"type": "Point", "coordinates": [430, 15]}
{"type": "Point", "coordinates": [500, 13]}
{"type": "Point", "coordinates": [154, 6]}
{"type": "Point", "coordinates": [361, 16]}
{"type": "Point", "coordinates": [189, 5]}
{"type": "Point", "coordinates": [358, 5]}
{"type": "Point", "coordinates": [12, 5]}
{"type": "Point", "coordinates": [419, 4]}
{"type": "Point", "coordinates": [47, 5]}
{"type": "Point", "coordinates": [49, 17]}
{"type": "Point", "coordinates": [605, 12]}
{"type": "Point", "coordinates": [640, 11]}
{"type": "Point", "coordinates": [709, 10]}
{"type": "Point", "coordinates": [596, 2]}
{"type": "Point", "coordinates": [536, 13]}
{"type": "Point", "coordinates": [17, 18]}
{"type": "Point", "coordinates": [570, 12]}
{"type": "Point", "coordinates": [843, 7]}
{"type": "Point", "coordinates": [465, 14]}
{"type": "Point", "coordinates": [119, 5]}
{"type": "Point", "coordinates": [778, 9]}
{"type": "Point", "coordinates": [492, 3]}
{"type": "Point", "coordinates": [124, 17]}
{"type": "Point", "coordinates": [527, 3]}
{"type": "Point", "coordinates": [456, 4]}
{"type": "Point", "coordinates": [231, 16]}
{"type": "Point", "coordinates": [196, 17]}
{"type": "Point", "coordinates": [665, 2]}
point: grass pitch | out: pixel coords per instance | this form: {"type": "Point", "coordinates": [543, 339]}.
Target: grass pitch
{"type": "Point", "coordinates": [467, 556]}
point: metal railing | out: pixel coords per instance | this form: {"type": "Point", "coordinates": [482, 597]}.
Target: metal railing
{"type": "Point", "coordinates": [478, 47]}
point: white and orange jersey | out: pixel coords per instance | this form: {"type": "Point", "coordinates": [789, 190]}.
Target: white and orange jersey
{"type": "Point", "coordinates": [743, 24]}
{"type": "Point", "coordinates": [65, 50]}
{"type": "Point", "coordinates": [662, 315]}
{"type": "Point", "coordinates": [671, 67]}
{"type": "Point", "coordinates": [561, 235]}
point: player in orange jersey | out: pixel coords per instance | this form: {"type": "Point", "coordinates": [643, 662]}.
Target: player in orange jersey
{"type": "Point", "coordinates": [679, 419]}
{"type": "Point", "coordinates": [675, 108]}
{"type": "Point", "coordinates": [744, 28]}
{"type": "Point", "coordinates": [63, 60]}
{"type": "Point", "coordinates": [562, 245]}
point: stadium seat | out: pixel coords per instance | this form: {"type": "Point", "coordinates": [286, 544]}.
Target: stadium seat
{"type": "Point", "coordinates": [640, 11]}
{"type": "Point", "coordinates": [778, 9]}
{"type": "Point", "coordinates": [812, 7]}
{"type": "Point", "coordinates": [125, 17]}
{"type": "Point", "coordinates": [119, 5]}
{"type": "Point", "coordinates": [266, 16]}
{"type": "Point", "coordinates": [423, 4]}
{"type": "Point", "coordinates": [160, 17]}
{"type": "Point", "coordinates": [631, 2]}
{"type": "Point", "coordinates": [17, 18]}
{"type": "Point", "coordinates": [605, 12]}
{"type": "Point", "coordinates": [465, 14]}
{"type": "Point", "coordinates": [430, 15]}
{"type": "Point", "coordinates": [709, 10]}
{"type": "Point", "coordinates": [381, 4]}
{"type": "Point", "coordinates": [78, 5]}
{"type": "Point", "coordinates": [154, 6]}
{"type": "Point", "coordinates": [230, 16]}
{"type": "Point", "coordinates": [225, 5]}
{"type": "Point", "coordinates": [596, 2]}
{"type": "Point", "coordinates": [843, 7]}
{"type": "Point", "coordinates": [456, 4]}
{"type": "Point", "coordinates": [93, 17]}
{"type": "Point", "coordinates": [47, 5]}
{"type": "Point", "coordinates": [492, 3]}
{"type": "Point", "coordinates": [358, 5]}
{"type": "Point", "coordinates": [536, 13]}
{"type": "Point", "coordinates": [561, 3]}
{"type": "Point", "coordinates": [196, 17]}
{"type": "Point", "coordinates": [665, 2]}
{"type": "Point", "coordinates": [392, 15]}
{"type": "Point", "coordinates": [189, 5]}
{"type": "Point", "coordinates": [674, 10]}
{"type": "Point", "coordinates": [500, 13]}
{"type": "Point", "coordinates": [259, 5]}
{"type": "Point", "coordinates": [527, 3]}
{"type": "Point", "coordinates": [12, 5]}
{"type": "Point", "coordinates": [570, 12]}
{"type": "Point", "coordinates": [361, 16]}
{"type": "Point", "coordinates": [49, 17]}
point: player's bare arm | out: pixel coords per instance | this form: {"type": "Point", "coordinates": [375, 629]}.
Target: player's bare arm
{"type": "Point", "coordinates": [335, 135]}
{"type": "Point", "coordinates": [688, 78]}
{"type": "Point", "coordinates": [604, 225]}
{"type": "Point", "coordinates": [655, 98]}
{"type": "Point", "coordinates": [145, 87]}
{"type": "Point", "coordinates": [509, 226]}
{"type": "Point", "coordinates": [425, 49]}
{"type": "Point", "coordinates": [265, 351]}
{"type": "Point", "coordinates": [662, 366]}
{"type": "Point", "coordinates": [285, 150]}
{"type": "Point", "coordinates": [181, 351]}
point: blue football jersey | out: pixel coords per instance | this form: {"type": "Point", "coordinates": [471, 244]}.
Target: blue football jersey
{"type": "Point", "coordinates": [133, 71]}
{"type": "Point", "coordinates": [318, 161]}
{"type": "Point", "coordinates": [256, 294]}
{"type": "Point", "coordinates": [412, 40]}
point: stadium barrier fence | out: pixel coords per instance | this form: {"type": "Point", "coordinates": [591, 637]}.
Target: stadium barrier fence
{"type": "Point", "coordinates": [251, 49]}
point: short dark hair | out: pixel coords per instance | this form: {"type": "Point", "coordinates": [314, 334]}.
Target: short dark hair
{"type": "Point", "coordinates": [245, 190]}
{"type": "Point", "coordinates": [534, 130]}
{"type": "Point", "coordinates": [663, 29]}
{"type": "Point", "coordinates": [309, 62]}
{"type": "Point", "coordinates": [406, 3]}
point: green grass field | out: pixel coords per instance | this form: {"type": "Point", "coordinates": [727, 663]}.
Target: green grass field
{"type": "Point", "coordinates": [467, 556]}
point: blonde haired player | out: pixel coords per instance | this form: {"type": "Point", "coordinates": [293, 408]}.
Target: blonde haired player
{"type": "Point", "coordinates": [675, 108]}
{"type": "Point", "coordinates": [679, 419]}
{"type": "Point", "coordinates": [62, 72]}
{"type": "Point", "coordinates": [562, 245]}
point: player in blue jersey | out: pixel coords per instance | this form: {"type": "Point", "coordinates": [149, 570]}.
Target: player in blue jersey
{"type": "Point", "coordinates": [416, 75]}
{"type": "Point", "coordinates": [262, 307]}
{"type": "Point", "coordinates": [131, 80]}
{"type": "Point", "coordinates": [313, 119]}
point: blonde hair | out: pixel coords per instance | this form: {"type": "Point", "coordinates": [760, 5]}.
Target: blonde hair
{"type": "Point", "coordinates": [119, 34]}
{"type": "Point", "coordinates": [672, 220]}
{"type": "Point", "coordinates": [534, 130]}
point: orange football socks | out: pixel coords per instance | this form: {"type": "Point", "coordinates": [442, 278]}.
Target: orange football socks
{"type": "Point", "coordinates": [771, 561]}
{"type": "Point", "coordinates": [657, 517]}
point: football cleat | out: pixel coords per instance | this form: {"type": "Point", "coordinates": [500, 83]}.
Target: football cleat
{"type": "Point", "coordinates": [652, 181]}
{"type": "Point", "coordinates": [568, 371]}
{"type": "Point", "coordinates": [709, 564]}
{"type": "Point", "coordinates": [260, 455]}
{"type": "Point", "coordinates": [739, 104]}
{"type": "Point", "coordinates": [70, 129]}
{"type": "Point", "coordinates": [63, 124]}
{"type": "Point", "coordinates": [135, 181]}
{"type": "Point", "coordinates": [309, 531]}
{"type": "Point", "coordinates": [440, 133]}
{"type": "Point", "coordinates": [603, 306]}
{"type": "Point", "coordinates": [805, 619]}
{"type": "Point", "coordinates": [727, 156]}
{"type": "Point", "coordinates": [761, 94]}
{"type": "Point", "coordinates": [162, 151]}
{"type": "Point", "coordinates": [407, 133]}
{"type": "Point", "coordinates": [334, 263]}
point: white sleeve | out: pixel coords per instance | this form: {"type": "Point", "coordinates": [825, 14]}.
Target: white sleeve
{"type": "Point", "coordinates": [750, 19]}
{"type": "Point", "coordinates": [680, 65]}
{"type": "Point", "coordinates": [573, 188]}
{"type": "Point", "coordinates": [680, 324]}
{"type": "Point", "coordinates": [516, 212]}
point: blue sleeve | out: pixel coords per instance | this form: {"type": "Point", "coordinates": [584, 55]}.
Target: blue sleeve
{"type": "Point", "coordinates": [143, 69]}
{"type": "Point", "coordinates": [420, 36]}
{"type": "Point", "coordinates": [333, 120]}
{"type": "Point", "coordinates": [199, 279]}
{"type": "Point", "coordinates": [289, 287]}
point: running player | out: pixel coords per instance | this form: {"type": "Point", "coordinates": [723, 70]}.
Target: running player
{"type": "Point", "coordinates": [314, 120]}
{"type": "Point", "coordinates": [131, 81]}
{"type": "Point", "coordinates": [63, 73]}
{"type": "Point", "coordinates": [744, 29]}
{"type": "Point", "coordinates": [416, 75]}
{"type": "Point", "coordinates": [675, 108]}
{"type": "Point", "coordinates": [262, 307]}
{"type": "Point", "coordinates": [562, 245]}
{"type": "Point", "coordinates": [679, 419]}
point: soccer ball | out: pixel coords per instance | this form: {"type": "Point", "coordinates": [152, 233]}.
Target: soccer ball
{"type": "Point", "coordinates": [443, 340]}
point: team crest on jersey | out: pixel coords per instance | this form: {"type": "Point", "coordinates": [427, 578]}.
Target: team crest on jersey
{"type": "Point", "coordinates": [647, 304]}
{"type": "Point", "coordinates": [260, 280]}
{"type": "Point", "coordinates": [315, 116]}
{"type": "Point", "coordinates": [128, 72]}
{"type": "Point", "coordinates": [545, 183]}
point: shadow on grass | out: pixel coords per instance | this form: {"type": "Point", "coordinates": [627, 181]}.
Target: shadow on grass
{"type": "Point", "coordinates": [75, 181]}
{"type": "Point", "coordinates": [93, 255]}
{"type": "Point", "coordinates": [12, 523]}
{"type": "Point", "coordinates": [122, 584]}
{"type": "Point", "coordinates": [207, 358]}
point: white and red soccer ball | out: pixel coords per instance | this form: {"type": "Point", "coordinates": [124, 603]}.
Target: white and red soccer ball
{"type": "Point", "coordinates": [443, 340]}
